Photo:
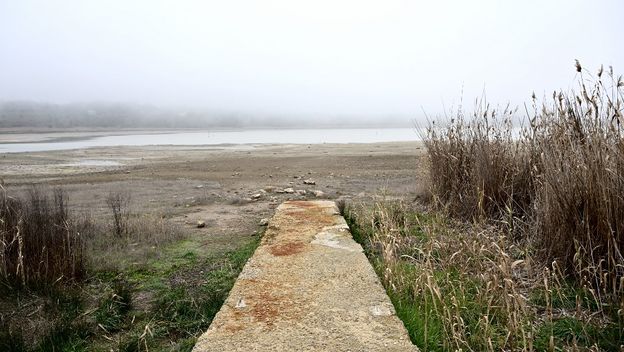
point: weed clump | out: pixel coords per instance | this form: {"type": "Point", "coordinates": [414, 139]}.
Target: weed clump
{"type": "Point", "coordinates": [114, 306]}
{"type": "Point", "coordinates": [39, 243]}
{"type": "Point", "coordinates": [118, 203]}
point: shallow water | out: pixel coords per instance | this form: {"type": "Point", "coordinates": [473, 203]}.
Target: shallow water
{"type": "Point", "coordinates": [294, 136]}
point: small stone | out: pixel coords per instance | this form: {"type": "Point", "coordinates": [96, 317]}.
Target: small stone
{"type": "Point", "coordinates": [380, 311]}
{"type": "Point", "coordinates": [199, 186]}
{"type": "Point", "coordinates": [289, 190]}
{"type": "Point", "coordinates": [301, 192]}
{"type": "Point", "coordinates": [241, 303]}
{"type": "Point", "coordinates": [264, 222]}
{"type": "Point", "coordinates": [274, 227]}
{"type": "Point", "coordinates": [318, 194]}
{"type": "Point", "coordinates": [309, 182]}
{"type": "Point", "coordinates": [200, 224]}
{"type": "Point", "coordinates": [256, 196]}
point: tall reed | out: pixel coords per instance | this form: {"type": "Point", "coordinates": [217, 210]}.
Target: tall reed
{"type": "Point", "coordinates": [554, 178]}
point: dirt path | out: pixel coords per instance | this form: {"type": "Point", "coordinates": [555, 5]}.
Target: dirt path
{"type": "Point", "coordinates": [308, 287]}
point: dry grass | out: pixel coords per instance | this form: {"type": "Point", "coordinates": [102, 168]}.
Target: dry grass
{"type": "Point", "coordinates": [469, 287]}
{"type": "Point", "coordinates": [123, 276]}
{"type": "Point", "coordinates": [143, 237]}
{"type": "Point", "coordinates": [556, 182]}
{"type": "Point", "coordinates": [520, 246]}
{"type": "Point", "coordinates": [478, 170]}
{"type": "Point", "coordinates": [42, 242]}
{"type": "Point", "coordinates": [118, 204]}
{"type": "Point", "coordinates": [39, 242]}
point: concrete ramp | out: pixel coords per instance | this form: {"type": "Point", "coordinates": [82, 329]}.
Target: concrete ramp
{"type": "Point", "coordinates": [308, 287]}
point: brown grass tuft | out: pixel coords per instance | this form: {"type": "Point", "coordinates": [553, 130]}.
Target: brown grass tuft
{"type": "Point", "coordinates": [39, 243]}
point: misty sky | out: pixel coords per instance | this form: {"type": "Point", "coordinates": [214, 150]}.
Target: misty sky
{"type": "Point", "coordinates": [289, 56]}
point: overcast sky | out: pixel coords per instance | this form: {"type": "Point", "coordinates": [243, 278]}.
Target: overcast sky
{"type": "Point", "coordinates": [289, 56]}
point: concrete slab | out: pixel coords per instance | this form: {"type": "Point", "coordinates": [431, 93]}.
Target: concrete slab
{"type": "Point", "coordinates": [308, 287]}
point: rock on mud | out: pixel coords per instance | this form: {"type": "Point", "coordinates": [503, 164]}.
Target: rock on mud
{"type": "Point", "coordinates": [318, 194]}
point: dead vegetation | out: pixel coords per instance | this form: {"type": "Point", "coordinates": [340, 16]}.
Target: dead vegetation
{"type": "Point", "coordinates": [557, 181]}
{"type": "Point", "coordinates": [39, 242]}
{"type": "Point", "coordinates": [116, 281]}
{"type": "Point", "coordinates": [520, 246]}
{"type": "Point", "coordinates": [469, 286]}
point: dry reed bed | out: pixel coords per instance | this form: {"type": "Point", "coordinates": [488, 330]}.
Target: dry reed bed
{"type": "Point", "coordinates": [557, 182]}
{"type": "Point", "coordinates": [520, 248]}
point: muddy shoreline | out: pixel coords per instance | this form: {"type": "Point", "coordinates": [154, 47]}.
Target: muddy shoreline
{"type": "Point", "coordinates": [218, 182]}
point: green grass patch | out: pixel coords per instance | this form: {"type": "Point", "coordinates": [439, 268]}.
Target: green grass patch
{"type": "Point", "coordinates": [567, 296]}
{"type": "Point", "coordinates": [114, 306]}
{"type": "Point", "coordinates": [65, 337]}
{"type": "Point", "coordinates": [424, 327]}
{"type": "Point", "coordinates": [570, 331]}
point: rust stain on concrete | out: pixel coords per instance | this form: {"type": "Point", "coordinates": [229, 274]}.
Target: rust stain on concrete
{"type": "Point", "coordinates": [287, 248]}
{"type": "Point", "coordinates": [303, 204]}
{"type": "Point", "coordinates": [308, 287]}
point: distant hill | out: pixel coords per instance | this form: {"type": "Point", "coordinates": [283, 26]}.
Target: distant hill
{"type": "Point", "coordinates": [26, 114]}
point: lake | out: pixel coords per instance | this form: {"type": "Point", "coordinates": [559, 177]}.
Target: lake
{"type": "Point", "coordinates": [239, 137]}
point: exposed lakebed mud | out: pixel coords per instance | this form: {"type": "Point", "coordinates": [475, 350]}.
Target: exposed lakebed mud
{"type": "Point", "coordinates": [214, 182]}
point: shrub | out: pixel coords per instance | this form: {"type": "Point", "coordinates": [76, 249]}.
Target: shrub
{"type": "Point", "coordinates": [118, 203]}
